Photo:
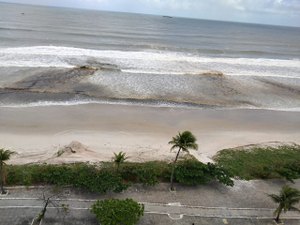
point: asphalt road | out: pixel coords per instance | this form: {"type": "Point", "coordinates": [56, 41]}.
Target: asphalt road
{"type": "Point", "coordinates": [208, 204]}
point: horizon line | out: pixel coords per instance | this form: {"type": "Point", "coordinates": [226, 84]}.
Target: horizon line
{"type": "Point", "coordinates": [149, 14]}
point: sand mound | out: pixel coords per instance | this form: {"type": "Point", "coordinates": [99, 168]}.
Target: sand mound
{"type": "Point", "coordinates": [74, 147]}
{"type": "Point", "coordinates": [74, 152]}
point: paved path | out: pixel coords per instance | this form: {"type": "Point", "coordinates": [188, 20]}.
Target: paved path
{"type": "Point", "coordinates": [173, 210]}
{"type": "Point", "coordinates": [246, 203]}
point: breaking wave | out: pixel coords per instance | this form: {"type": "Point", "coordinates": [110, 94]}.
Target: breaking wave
{"type": "Point", "coordinates": [157, 104]}
{"type": "Point", "coordinates": [147, 62]}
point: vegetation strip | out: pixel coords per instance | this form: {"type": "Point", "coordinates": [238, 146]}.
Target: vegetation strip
{"type": "Point", "coordinates": [261, 162]}
{"type": "Point", "coordinates": [116, 176]}
{"type": "Point", "coordinates": [107, 177]}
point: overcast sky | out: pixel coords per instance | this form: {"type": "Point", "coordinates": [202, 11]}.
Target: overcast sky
{"type": "Point", "coordinates": [278, 12]}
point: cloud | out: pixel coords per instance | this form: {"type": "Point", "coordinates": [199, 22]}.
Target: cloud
{"type": "Point", "coordinates": [267, 6]}
{"type": "Point", "coordinates": [241, 5]}
{"type": "Point", "coordinates": [275, 6]}
{"type": "Point", "coordinates": [285, 12]}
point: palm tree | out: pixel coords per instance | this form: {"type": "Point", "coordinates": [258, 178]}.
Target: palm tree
{"type": "Point", "coordinates": [4, 156]}
{"type": "Point", "coordinates": [286, 199]}
{"type": "Point", "coordinates": [183, 141]}
{"type": "Point", "coordinates": [119, 158]}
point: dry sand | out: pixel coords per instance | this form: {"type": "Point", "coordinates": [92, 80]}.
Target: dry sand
{"type": "Point", "coordinates": [37, 133]}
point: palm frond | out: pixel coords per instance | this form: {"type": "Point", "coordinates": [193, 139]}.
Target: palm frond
{"type": "Point", "coordinates": [295, 209]}
{"type": "Point", "coordinates": [174, 146]}
{"type": "Point", "coordinates": [294, 201]}
{"type": "Point", "coordinates": [120, 157]}
{"type": "Point", "coordinates": [185, 150]}
{"type": "Point", "coordinates": [287, 198]}
{"type": "Point", "coordinates": [275, 198]}
{"type": "Point", "coordinates": [185, 140]}
{"type": "Point", "coordinates": [5, 154]}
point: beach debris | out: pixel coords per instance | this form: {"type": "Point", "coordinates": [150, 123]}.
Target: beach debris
{"type": "Point", "coordinates": [93, 64]}
{"type": "Point", "coordinates": [213, 73]}
{"type": "Point", "coordinates": [225, 221]}
{"type": "Point", "coordinates": [86, 67]}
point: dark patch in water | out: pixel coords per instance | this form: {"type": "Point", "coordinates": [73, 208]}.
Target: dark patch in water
{"type": "Point", "coordinates": [275, 84]}
{"type": "Point", "coordinates": [52, 81]}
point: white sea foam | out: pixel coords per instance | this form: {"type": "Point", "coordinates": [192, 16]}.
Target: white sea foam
{"type": "Point", "coordinates": [288, 109]}
{"type": "Point", "coordinates": [46, 103]}
{"type": "Point", "coordinates": [86, 102]}
{"type": "Point", "coordinates": [126, 103]}
{"type": "Point", "coordinates": [138, 55]}
{"type": "Point", "coordinates": [205, 72]}
{"type": "Point", "coordinates": [154, 62]}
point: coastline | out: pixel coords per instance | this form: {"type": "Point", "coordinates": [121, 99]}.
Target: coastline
{"type": "Point", "coordinates": [37, 133]}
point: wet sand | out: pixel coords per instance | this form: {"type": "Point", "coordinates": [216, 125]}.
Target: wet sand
{"type": "Point", "coordinates": [37, 133]}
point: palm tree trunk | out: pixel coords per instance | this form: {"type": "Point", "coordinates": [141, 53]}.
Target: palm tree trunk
{"type": "Point", "coordinates": [173, 169]}
{"type": "Point", "coordinates": [278, 215]}
{"type": "Point", "coordinates": [2, 178]}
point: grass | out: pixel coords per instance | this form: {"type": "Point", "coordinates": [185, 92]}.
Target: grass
{"type": "Point", "coordinates": [261, 163]}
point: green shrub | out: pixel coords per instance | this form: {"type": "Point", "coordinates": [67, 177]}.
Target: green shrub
{"type": "Point", "coordinates": [116, 212]}
{"type": "Point", "coordinates": [192, 172]}
{"type": "Point", "coordinates": [15, 175]}
{"type": "Point", "coordinates": [149, 173]}
{"type": "Point", "coordinates": [289, 171]}
{"type": "Point", "coordinates": [220, 174]}
{"type": "Point", "coordinates": [105, 181]}
{"type": "Point", "coordinates": [52, 174]}
{"type": "Point", "coordinates": [107, 178]}
{"type": "Point", "coordinates": [78, 175]}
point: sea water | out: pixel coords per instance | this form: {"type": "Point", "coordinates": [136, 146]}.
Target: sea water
{"type": "Point", "coordinates": [144, 60]}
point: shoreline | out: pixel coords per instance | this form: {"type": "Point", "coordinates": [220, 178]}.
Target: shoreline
{"type": "Point", "coordinates": [37, 133]}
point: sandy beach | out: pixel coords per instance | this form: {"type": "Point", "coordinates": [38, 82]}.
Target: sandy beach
{"type": "Point", "coordinates": [37, 133]}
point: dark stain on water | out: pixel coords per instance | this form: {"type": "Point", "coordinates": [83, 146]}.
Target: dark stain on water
{"type": "Point", "coordinates": [53, 80]}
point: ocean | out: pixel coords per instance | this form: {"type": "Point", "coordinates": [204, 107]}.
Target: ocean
{"type": "Point", "coordinates": [62, 56]}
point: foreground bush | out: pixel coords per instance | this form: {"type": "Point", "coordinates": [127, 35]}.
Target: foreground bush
{"type": "Point", "coordinates": [192, 172]}
{"type": "Point", "coordinates": [262, 163]}
{"type": "Point", "coordinates": [116, 212]}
